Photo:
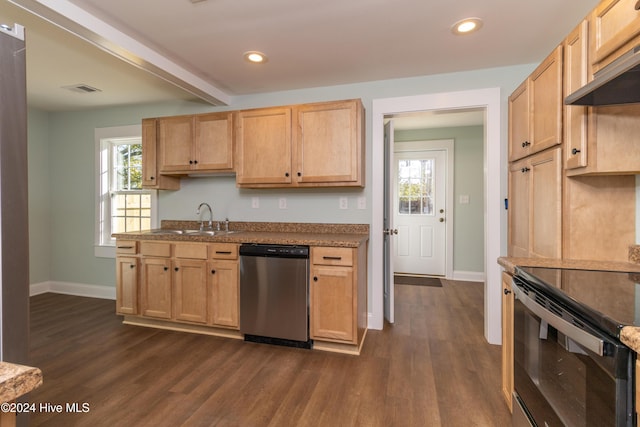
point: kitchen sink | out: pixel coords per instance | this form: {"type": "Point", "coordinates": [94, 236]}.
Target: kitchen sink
{"type": "Point", "coordinates": [190, 232]}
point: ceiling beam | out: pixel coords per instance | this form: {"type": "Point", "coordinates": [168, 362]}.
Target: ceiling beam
{"type": "Point", "coordinates": [79, 22]}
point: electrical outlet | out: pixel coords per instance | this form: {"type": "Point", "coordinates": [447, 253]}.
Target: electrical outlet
{"type": "Point", "coordinates": [282, 203]}
{"type": "Point", "coordinates": [362, 202]}
{"type": "Point", "coordinates": [344, 203]}
{"type": "Point", "coordinates": [255, 202]}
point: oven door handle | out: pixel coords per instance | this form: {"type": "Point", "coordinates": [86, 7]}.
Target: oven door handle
{"type": "Point", "coordinates": [580, 336]}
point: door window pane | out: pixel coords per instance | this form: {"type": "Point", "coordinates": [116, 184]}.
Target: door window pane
{"type": "Point", "coordinates": [416, 187]}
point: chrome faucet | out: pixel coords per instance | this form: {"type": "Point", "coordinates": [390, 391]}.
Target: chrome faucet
{"type": "Point", "coordinates": [210, 226]}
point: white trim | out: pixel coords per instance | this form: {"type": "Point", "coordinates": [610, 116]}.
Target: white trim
{"type": "Point", "coordinates": [484, 98]}
{"type": "Point", "coordinates": [448, 145]}
{"type": "Point", "coordinates": [88, 27]}
{"type": "Point", "coordinates": [78, 289]}
{"type": "Point", "coordinates": [468, 276]}
{"type": "Point", "coordinates": [104, 251]}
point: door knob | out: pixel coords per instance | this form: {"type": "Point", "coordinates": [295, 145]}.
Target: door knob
{"type": "Point", "coordinates": [389, 231]}
{"type": "Point", "coordinates": [441, 219]}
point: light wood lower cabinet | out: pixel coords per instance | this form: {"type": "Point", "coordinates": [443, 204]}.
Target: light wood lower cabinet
{"type": "Point", "coordinates": [155, 288]}
{"type": "Point", "coordinates": [338, 294]}
{"type": "Point", "coordinates": [126, 285]}
{"type": "Point", "coordinates": [507, 339]}
{"type": "Point", "coordinates": [190, 290]}
{"type": "Point", "coordinates": [224, 296]}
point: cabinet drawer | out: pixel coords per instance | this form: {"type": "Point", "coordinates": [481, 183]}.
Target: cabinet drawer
{"type": "Point", "coordinates": [126, 247]}
{"type": "Point", "coordinates": [191, 250]}
{"type": "Point", "coordinates": [223, 251]}
{"type": "Point", "coordinates": [332, 256]}
{"type": "Point", "coordinates": [158, 249]}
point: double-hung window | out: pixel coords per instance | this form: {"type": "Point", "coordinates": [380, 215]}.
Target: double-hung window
{"type": "Point", "coordinates": [123, 205]}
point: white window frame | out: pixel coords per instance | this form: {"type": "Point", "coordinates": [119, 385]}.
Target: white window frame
{"type": "Point", "coordinates": [104, 245]}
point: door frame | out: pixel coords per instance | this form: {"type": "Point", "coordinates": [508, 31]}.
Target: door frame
{"type": "Point", "coordinates": [448, 146]}
{"type": "Point", "coordinates": [489, 99]}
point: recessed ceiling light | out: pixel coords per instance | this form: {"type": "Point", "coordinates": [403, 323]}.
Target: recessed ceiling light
{"type": "Point", "coordinates": [255, 57]}
{"type": "Point", "coordinates": [466, 26]}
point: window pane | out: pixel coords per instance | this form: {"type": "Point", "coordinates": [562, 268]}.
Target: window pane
{"type": "Point", "coordinates": [127, 214]}
{"type": "Point", "coordinates": [415, 186]}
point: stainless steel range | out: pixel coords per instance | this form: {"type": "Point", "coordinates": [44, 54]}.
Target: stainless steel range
{"type": "Point", "coordinates": [570, 368]}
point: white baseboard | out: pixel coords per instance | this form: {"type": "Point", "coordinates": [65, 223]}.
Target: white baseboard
{"type": "Point", "coordinates": [79, 289]}
{"type": "Point", "coordinates": [469, 276]}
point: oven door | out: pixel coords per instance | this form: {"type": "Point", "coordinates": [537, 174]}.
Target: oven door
{"type": "Point", "coordinates": [566, 373]}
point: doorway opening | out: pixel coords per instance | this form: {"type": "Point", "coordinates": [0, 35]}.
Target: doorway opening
{"type": "Point", "coordinates": [488, 100]}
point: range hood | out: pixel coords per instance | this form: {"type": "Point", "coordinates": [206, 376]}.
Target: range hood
{"type": "Point", "coordinates": [617, 83]}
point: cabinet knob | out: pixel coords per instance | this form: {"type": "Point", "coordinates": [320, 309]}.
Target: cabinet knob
{"type": "Point", "coordinates": [152, 178]}
{"type": "Point", "coordinates": [286, 174]}
{"type": "Point", "coordinates": [166, 268]}
{"type": "Point", "coordinates": [190, 162]}
{"type": "Point", "coordinates": [526, 144]}
{"type": "Point", "coordinates": [300, 173]}
{"type": "Point", "coordinates": [315, 278]}
{"type": "Point", "coordinates": [132, 266]}
{"type": "Point", "coordinates": [176, 269]}
{"type": "Point", "coordinates": [525, 170]}
{"type": "Point", "coordinates": [195, 162]}
{"type": "Point", "coordinates": [575, 151]}
{"type": "Point", "coordinates": [213, 272]}
{"type": "Point", "coordinates": [506, 291]}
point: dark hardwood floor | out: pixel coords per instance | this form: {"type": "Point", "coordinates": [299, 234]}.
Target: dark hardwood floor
{"type": "Point", "coordinates": [431, 368]}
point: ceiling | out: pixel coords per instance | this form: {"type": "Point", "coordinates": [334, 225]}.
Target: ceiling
{"type": "Point", "coordinates": [309, 44]}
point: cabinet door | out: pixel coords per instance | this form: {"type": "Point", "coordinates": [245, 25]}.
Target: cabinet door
{"type": "Point", "coordinates": [190, 290]}
{"type": "Point", "coordinates": [614, 24]}
{"type": "Point", "coordinates": [546, 103]}
{"type": "Point", "coordinates": [546, 204]}
{"type": "Point", "coordinates": [263, 144]}
{"type": "Point", "coordinates": [518, 212]}
{"type": "Point", "coordinates": [519, 122]}
{"type": "Point", "coordinates": [332, 300]}
{"type": "Point", "coordinates": [126, 285]}
{"type": "Point", "coordinates": [214, 141]}
{"type": "Point", "coordinates": [575, 116]}
{"type": "Point", "coordinates": [156, 287]}
{"type": "Point", "coordinates": [507, 339]}
{"type": "Point", "coordinates": [329, 143]}
{"type": "Point", "coordinates": [176, 143]}
{"type": "Point", "coordinates": [150, 177]}
{"type": "Point", "coordinates": [224, 287]}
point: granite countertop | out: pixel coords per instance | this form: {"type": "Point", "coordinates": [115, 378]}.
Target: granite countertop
{"type": "Point", "coordinates": [630, 335]}
{"type": "Point", "coordinates": [339, 235]}
{"type": "Point", "coordinates": [16, 380]}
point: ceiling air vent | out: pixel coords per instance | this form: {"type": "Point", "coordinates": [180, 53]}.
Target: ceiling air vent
{"type": "Point", "coordinates": [82, 88]}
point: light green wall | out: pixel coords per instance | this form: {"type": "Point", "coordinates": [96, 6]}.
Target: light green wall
{"type": "Point", "coordinates": [468, 219]}
{"type": "Point", "coordinates": [71, 180]}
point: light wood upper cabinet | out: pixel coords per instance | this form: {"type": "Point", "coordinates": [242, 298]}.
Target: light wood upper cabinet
{"type": "Point", "coordinates": [535, 206]}
{"type": "Point", "coordinates": [576, 48]}
{"type": "Point", "coordinates": [151, 179]}
{"type": "Point", "coordinates": [309, 145]}
{"type": "Point", "coordinates": [519, 137]}
{"type": "Point", "coordinates": [200, 143]}
{"type": "Point", "coordinates": [329, 143]}
{"type": "Point", "coordinates": [535, 109]}
{"type": "Point", "coordinates": [263, 146]}
{"type": "Point", "coordinates": [614, 29]}
{"type": "Point", "coordinates": [546, 99]}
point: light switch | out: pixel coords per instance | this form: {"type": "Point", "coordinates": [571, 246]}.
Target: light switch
{"type": "Point", "coordinates": [255, 202]}
{"type": "Point", "coordinates": [362, 202]}
{"type": "Point", "coordinates": [282, 203]}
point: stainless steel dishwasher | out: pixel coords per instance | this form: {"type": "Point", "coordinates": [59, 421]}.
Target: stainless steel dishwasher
{"type": "Point", "coordinates": [274, 294]}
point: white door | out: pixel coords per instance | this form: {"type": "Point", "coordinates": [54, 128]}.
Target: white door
{"type": "Point", "coordinates": [420, 212]}
{"type": "Point", "coordinates": [387, 248]}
